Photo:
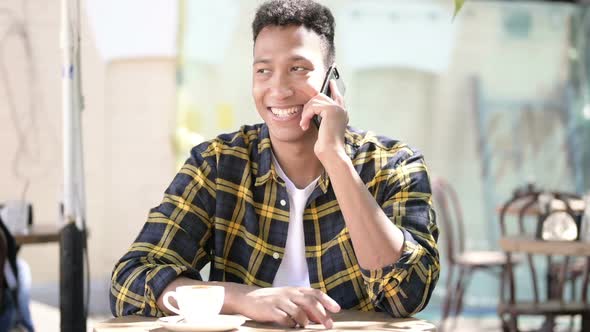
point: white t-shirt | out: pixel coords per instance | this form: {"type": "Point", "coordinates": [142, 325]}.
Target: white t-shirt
{"type": "Point", "coordinates": [293, 269]}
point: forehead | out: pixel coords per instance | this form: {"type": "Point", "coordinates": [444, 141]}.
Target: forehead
{"type": "Point", "coordinates": [277, 41]}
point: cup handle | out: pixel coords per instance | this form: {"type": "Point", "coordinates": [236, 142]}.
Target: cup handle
{"type": "Point", "coordinates": [169, 305]}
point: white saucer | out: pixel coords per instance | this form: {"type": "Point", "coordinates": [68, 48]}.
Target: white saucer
{"type": "Point", "coordinates": [216, 323]}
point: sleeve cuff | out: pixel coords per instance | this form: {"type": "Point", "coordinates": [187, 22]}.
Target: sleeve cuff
{"type": "Point", "coordinates": [159, 279]}
{"type": "Point", "coordinates": [376, 279]}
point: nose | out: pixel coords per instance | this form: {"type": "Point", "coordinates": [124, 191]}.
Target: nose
{"type": "Point", "coordinates": [280, 87]}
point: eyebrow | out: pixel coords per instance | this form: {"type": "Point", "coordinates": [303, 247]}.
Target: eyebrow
{"type": "Point", "coordinates": [293, 58]}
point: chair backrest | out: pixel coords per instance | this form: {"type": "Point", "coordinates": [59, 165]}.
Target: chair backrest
{"type": "Point", "coordinates": [449, 216]}
{"type": "Point", "coordinates": [522, 216]}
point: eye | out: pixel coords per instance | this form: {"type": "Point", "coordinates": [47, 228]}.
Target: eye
{"type": "Point", "coordinates": [298, 68]}
{"type": "Point", "coordinates": [262, 71]}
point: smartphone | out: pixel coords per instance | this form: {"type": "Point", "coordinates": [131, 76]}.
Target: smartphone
{"type": "Point", "coordinates": [331, 74]}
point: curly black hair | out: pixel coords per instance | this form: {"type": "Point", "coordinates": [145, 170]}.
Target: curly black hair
{"type": "Point", "coordinates": [308, 13]}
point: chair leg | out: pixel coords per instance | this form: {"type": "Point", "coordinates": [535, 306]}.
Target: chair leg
{"type": "Point", "coordinates": [573, 280]}
{"type": "Point", "coordinates": [506, 323]}
{"type": "Point", "coordinates": [457, 288]}
{"type": "Point", "coordinates": [586, 321]}
{"type": "Point", "coordinates": [548, 324]}
{"type": "Point", "coordinates": [448, 299]}
{"type": "Point", "coordinates": [464, 275]}
{"type": "Point", "coordinates": [461, 292]}
{"type": "Point", "coordinates": [513, 323]}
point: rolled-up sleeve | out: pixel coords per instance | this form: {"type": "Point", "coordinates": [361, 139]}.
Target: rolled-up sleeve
{"type": "Point", "coordinates": [405, 287]}
{"type": "Point", "coordinates": [174, 241]}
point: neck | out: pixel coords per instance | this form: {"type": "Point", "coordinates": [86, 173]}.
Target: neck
{"type": "Point", "coordinates": [298, 161]}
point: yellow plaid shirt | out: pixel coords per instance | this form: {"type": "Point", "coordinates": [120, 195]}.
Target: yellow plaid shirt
{"type": "Point", "coordinates": [224, 207]}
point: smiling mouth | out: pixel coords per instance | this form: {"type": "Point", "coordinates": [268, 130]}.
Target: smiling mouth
{"type": "Point", "coordinates": [285, 112]}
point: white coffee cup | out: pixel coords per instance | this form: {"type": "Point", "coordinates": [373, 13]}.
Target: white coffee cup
{"type": "Point", "coordinates": [197, 302]}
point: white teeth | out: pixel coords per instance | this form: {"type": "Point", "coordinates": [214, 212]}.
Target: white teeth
{"type": "Point", "coordinates": [285, 112]}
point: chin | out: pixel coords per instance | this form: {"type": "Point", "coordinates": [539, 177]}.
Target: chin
{"type": "Point", "coordinates": [287, 134]}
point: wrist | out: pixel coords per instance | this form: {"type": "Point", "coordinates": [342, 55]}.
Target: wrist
{"type": "Point", "coordinates": [335, 161]}
{"type": "Point", "coordinates": [235, 297]}
{"type": "Point", "coordinates": [332, 156]}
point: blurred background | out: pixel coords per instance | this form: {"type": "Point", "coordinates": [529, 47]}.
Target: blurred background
{"type": "Point", "coordinates": [496, 99]}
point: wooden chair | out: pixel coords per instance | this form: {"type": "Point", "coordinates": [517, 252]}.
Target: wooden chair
{"type": "Point", "coordinates": [548, 297]}
{"type": "Point", "coordinates": [466, 262]}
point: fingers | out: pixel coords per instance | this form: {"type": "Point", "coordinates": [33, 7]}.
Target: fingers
{"type": "Point", "coordinates": [306, 116]}
{"type": "Point", "coordinates": [315, 303]}
{"type": "Point", "coordinates": [336, 94]}
{"type": "Point", "coordinates": [324, 299]}
{"type": "Point", "coordinates": [313, 309]}
{"type": "Point", "coordinates": [283, 318]}
{"type": "Point", "coordinates": [315, 106]}
{"type": "Point", "coordinates": [295, 312]}
{"type": "Point", "coordinates": [290, 306]}
{"type": "Point", "coordinates": [320, 104]}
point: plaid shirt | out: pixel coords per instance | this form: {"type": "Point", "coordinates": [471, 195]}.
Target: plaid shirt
{"type": "Point", "coordinates": [228, 206]}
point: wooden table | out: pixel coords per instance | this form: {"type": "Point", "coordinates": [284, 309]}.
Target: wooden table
{"type": "Point", "coordinates": [346, 320]}
{"type": "Point", "coordinates": [534, 246]}
{"type": "Point", "coordinates": [530, 245]}
{"type": "Point", "coordinates": [43, 233]}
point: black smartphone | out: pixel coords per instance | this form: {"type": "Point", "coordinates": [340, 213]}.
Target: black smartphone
{"type": "Point", "coordinates": [331, 74]}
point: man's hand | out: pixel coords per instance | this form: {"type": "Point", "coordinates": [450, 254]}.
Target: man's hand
{"type": "Point", "coordinates": [289, 306]}
{"type": "Point", "coordinates": [334, 120]}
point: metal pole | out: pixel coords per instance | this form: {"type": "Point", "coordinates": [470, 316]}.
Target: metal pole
{"type": "Point", "coordinates": [72, 242]}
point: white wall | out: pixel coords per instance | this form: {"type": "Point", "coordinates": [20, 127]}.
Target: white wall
{"type": "Point", "coordinates": [127, 123]}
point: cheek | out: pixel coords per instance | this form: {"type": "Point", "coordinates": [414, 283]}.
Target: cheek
{"type": "Point", "coordinates": [303, 85]}
{"type": "Point", "coordinates": [316, 81]}
{"type": "Point", "coordinates": [257, 92]}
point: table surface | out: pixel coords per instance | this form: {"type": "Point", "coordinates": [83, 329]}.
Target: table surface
{"type": "Point", "coordinates": [41, 233]}
{"type": "Point", "coordinates": [346, 320]}
{"type": "Point", "coordinates": [534, 246]}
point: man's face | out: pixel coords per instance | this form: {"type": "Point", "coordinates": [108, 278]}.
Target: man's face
{"type": "Point", "coordinates": [288, 70]}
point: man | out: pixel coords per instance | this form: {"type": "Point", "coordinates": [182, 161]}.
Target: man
{"type": "Point", "coordinates": [297, 222]}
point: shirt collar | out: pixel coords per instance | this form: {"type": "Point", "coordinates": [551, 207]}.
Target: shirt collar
{"type": "Point", "coordinates": [266, 171]}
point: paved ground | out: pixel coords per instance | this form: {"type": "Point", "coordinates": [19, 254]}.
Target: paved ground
{"type": "Point", "coordinates": [99, 296]}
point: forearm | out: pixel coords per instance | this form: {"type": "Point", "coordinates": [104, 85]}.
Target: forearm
{"type": "Point", "coordinates": [234, 294]}
{"type": "Point", "coordinates": [377, 241]}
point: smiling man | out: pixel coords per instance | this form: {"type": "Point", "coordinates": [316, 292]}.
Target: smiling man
{"type": "Point", "coordinates": [297, 222]}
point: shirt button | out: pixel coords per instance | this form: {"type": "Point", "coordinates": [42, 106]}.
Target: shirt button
{"type": "Point", "coordinates": [283, 202]}
{"type": "Point", "coordinates": [275, 255]}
